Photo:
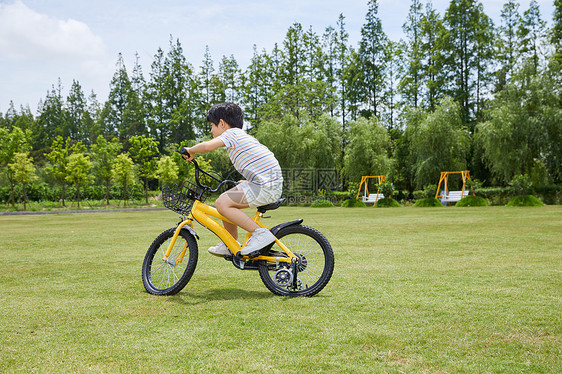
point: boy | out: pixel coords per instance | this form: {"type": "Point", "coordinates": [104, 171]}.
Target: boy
{"type": "Point", "coordinates": [263, 184]}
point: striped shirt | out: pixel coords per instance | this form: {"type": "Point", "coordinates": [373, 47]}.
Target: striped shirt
{"type": "Point", "coordinates": [250, 158]}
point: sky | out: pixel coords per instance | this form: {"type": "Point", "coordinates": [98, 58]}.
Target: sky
{"type": "Point", "coordinates": [44, 40]}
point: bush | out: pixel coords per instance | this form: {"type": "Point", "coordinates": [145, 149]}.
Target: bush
{"type": "Point", "coordinates": [43, 192]}
{"type": "Point", "coordinates": [353, 203]}
{"type": "Point", "coordinates": [525, 200]}
{"type": "Point", "coordinates": [549, 194]}
{"type": "Point", "coordinates": [495, 195]}
{"type": "Point", "coordinates": [386, 188]}
{"type": "Point", "coordinates": [430, 190]}
{"type": "Point", "coordinates": [387, 203]}
{"type": "Point", "coordinates": [321, 203]}
{"type": "Point", "coordinates": [419, 194]}
{"type": "Point", "coordinates": [472, 201]}
{"type": "Point", "coordinates": [428, 202]}
{"type": "Point", "coordinates": [521, 185]}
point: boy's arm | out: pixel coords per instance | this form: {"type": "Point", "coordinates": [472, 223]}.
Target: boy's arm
{"type": "Point", "coordinates": [203, 147]}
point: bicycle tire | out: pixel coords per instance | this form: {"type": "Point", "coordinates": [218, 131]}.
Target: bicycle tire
{"type": "Point", "coordinates": [315, 253]}
{"type": "Point", "coordinates": [170, 277]}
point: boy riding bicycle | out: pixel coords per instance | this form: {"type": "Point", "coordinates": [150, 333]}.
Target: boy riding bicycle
{"type": "Point", "coordinates": [256, 163]}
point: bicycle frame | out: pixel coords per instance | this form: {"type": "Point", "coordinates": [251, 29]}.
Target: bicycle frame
{"type": "Point", "coordinates": [202, 213]}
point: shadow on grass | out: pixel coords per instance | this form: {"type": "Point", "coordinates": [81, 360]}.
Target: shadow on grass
{"type": "Point", "coordinates": [192, 298]}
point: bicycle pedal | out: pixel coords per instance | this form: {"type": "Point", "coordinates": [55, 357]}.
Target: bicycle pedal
{"type": "Point", "coordinates": [241, 257]}
{"type": "Point", "coordinates": [228, 257]}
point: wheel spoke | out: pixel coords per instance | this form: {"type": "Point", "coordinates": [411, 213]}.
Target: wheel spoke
{"type": "Point", "coordinates": [168, 277]}
{"type": "Point", "coordinates": [311, 248]}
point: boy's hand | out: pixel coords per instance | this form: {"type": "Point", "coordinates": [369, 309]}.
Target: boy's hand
{"type": "Point", "coordinates": [187, 153]}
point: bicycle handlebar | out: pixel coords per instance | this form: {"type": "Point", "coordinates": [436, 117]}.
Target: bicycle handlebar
{"type": "Point", "coordinates": [183, 151]}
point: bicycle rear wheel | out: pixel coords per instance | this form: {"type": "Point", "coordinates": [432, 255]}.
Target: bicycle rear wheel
{"type": "Point", "coordinates": [313, 270]}
{"type": "Point", "coordinates": [169, 277]}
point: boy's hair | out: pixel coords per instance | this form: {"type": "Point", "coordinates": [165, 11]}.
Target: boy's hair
{"type": "Point", "coordinates": [228, 112]}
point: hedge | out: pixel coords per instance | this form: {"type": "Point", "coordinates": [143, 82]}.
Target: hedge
{"type": "Point", "coordinates": [551, 194]}
{"type": "Point", "coordinates": [43, 192]}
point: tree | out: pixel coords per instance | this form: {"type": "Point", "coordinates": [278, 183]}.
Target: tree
{"type": "Point", "coordinates": [352, 77]}
{"type": "Point", "coordinates": [50, 119]}
{"type": "Point", "coordinates": [432, 31]}
{"type": "Point", "coordinates": [59, 157]}
{"type": "Point", "coordinates": [368, 149]}
{"type": "Point", "coordinates": [79, 166]}
{"type": "Point", "coordinates": [12, 142]}
{"type": "Point", "coordinates": [172, 97]}
{"type": "Point", "coordinates": [531, 32]}
{"type": "Point", "coordinates": [157, 116]}
{"type": "Point", "coordinates": [372, 59]}
{"type": "Point", "coordinates": [342, 71]}
{"type": "Point", "coordinates": [390, 101]}
{"type": "Point", "coordinates": [484, 54]}
{"type": "Point", "coordinates": [22, 171]}
{"type": "Point", "coordinates": [92, 118]}
{"type": "Point", "coordinates": [167, 170]}
{"type": "Point", "coordinates": [440, 141]}
{"type": "Point", "coordinates": [124, 174]}
{"type": "Point", "coordinates": [411, 82]}
{"type": "Point", "coordinates": [288, 96]}
{"type": "Point", "coordinates": [466, 51]}
{"type": "Point", "coordinates": [524, 126]}
{"type": "Point", "coordinates": [114, 115]}
{"type": "Point", "coordinates": [229, 74]}
{"type": "Point", "coordinates": [329, 42]}
{"type": "Point", "coordinates": [103, 154]}
{"type": "Point", "coordinates": [302, 143]}
{"type": "Point", "coordinates": [135, 112]}
{"type": "Point", "coordinates": [508, 42]}
{"type": "Point", "coordinates": [180, 91]}
{"type": "Point", "coordinates": [556, 32]}
{"type": "Point", "coordinates": [255, 88]}
{"type": "Point", "coordinates": [75, 109]}
{"type": "Point", "coordinates": [144, 152]}
{"type": "Point", "coordinates": [206, 72]}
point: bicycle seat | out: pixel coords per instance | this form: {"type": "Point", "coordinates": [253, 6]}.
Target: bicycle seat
{"type": "Point", "coordinates": [272, 206]}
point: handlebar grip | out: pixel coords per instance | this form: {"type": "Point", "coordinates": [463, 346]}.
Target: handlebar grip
{"type": "Point", "coordinates": [183, 151]}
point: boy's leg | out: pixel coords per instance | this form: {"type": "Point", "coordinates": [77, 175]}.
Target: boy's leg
{"type": "Point", "coordinates": [229, 204]}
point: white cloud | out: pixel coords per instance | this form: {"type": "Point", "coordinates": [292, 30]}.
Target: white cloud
{"type": "Point", "coordinates": [28, 35]}
{"type": "Point", "coordinates": [37, 49]}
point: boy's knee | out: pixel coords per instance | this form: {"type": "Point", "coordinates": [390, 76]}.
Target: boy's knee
{"type": "Point", "coordinates": [222, 203]}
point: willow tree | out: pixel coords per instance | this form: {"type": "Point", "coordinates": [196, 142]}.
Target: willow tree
{"type": "Point", "coordinates": [368, 150]}
{"type": "Point", "coordinates": [439, 141]}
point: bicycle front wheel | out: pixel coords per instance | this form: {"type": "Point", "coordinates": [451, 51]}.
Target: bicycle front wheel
{"type": "Point", "coordinates": [162, 276]}
{"type": "Point", "coordinates": [312, 271]}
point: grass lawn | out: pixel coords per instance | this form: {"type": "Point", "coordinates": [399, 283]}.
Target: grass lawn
{"type": "Point", "coordinates": [436, 290]}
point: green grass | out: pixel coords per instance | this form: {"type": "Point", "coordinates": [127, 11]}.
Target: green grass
{"type": "Point", "coordinates": [414, 290]}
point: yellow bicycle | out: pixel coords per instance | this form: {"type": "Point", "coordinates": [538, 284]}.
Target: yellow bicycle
{"type": "Point", "coordinates": [299, 263]}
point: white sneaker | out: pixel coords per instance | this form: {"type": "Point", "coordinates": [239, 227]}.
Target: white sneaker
{"type": "Point", "coordinates": [259, 239]}
{"type": "Point", "coordinates": [219, 250]}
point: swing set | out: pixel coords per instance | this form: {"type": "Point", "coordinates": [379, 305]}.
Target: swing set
{"type": "Point", "coordinates": [447, 196]}
{"type": "Point", "coordinates": [367, 196]}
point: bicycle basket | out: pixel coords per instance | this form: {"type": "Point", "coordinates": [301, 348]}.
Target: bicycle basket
{"type": "Point", "coordinates": [180, 198]}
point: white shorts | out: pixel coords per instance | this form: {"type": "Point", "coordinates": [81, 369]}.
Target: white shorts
{"type": "Point", "coordinates": [260, 195]}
